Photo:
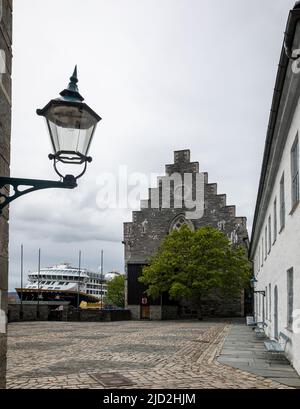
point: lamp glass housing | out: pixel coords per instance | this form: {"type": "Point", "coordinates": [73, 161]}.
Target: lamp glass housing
{"type": "Point", "coordinates": [71, 128]}
{"type": "Point", "coordinates": [71, 124]}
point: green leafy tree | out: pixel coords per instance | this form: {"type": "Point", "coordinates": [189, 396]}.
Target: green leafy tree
{"type": "Point", "coordinates": [193, 265]}
{"type": "Point", "coordinates": [116, 292]}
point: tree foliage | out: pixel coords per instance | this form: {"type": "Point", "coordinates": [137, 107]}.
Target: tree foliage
{"type": "Point", "coordinates": [196, 264]}
{"type": "Point", "coordinates": [116, 292]}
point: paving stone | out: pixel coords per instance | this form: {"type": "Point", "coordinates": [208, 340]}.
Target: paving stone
{"type": "Point", "coordinates": [150, 355]}
{"type": "Point", "coordinates": [295, 383]}
{"type": "Point", "coordinates": [274, 367]}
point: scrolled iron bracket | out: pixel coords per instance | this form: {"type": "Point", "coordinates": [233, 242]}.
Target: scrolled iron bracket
{"type": "Point", "coordinates": [30, 185]}
{"type": "Point", "coordinates": [260, 292]}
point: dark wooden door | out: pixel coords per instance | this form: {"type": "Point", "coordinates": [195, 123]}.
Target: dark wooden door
{"type": "Point", "coordinates": [145, 312]}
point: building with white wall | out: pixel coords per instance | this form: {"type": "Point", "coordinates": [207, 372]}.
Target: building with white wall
{"type": "Point", "coordinates": [275, 244]}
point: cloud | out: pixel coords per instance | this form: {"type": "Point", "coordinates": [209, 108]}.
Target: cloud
{"type": "Point", "coordinates": [164, 76]}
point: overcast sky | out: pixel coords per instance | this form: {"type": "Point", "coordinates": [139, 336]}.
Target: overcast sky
{"type": "Point", "coordinates": [164, 75]}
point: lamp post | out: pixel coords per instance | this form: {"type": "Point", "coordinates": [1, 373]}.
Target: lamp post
{"type": "Point", "coordinates": [71, 125]}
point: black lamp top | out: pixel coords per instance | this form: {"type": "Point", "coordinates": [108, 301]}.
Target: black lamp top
{"type": "Point", "coordinates": [71, 97]}
{"type": "Point", "coordinates": [72, 92]}
{"type": "Point", "coordinates": [297, 5]}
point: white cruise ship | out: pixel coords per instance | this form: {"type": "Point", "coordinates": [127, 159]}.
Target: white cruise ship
{"type": "Point", "coordinates": [64, 283]}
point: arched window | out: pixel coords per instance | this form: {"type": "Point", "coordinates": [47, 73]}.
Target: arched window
{"type": "Point", "coordinates": [179, 222]}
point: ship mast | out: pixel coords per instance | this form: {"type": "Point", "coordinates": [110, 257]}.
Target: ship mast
{"type": "Point", "coordinates": [39, 272]}
{"type": "Point", "coordinates": [101, 295]}
{"type": "Point", "coordinates": [78, 287]}
{"type": "Point", "coordinates": [22, 271]}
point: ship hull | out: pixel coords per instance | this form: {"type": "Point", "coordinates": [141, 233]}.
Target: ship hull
{"type": "Point", "coordinates": [55, 295]}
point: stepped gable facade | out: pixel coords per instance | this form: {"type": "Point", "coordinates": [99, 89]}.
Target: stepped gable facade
{"type": "Point", "coordinates": [152, 224]}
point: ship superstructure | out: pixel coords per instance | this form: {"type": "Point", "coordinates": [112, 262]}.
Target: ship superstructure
{"type": "Point", "coordinates": [64, 283]}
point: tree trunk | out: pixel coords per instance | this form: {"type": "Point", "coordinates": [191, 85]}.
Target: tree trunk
{"type": "Point", "coordinates": [199, 309]}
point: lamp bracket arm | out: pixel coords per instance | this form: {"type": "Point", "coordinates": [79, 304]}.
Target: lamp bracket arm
{"type": "Point", "coordinates": [22, 187]}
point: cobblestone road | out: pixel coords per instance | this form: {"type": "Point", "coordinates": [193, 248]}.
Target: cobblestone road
{"type": "Point", "coordinates": [150, 354]}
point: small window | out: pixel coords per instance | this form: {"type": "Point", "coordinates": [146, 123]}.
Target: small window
{"type": "Point", "coordinates": [295, 172]}
{"type": "Point", "coordinates": [262, 252]}
{"type": "Point", "coordinates": [266, 300]}
{"type": "Point", "coordinates": [275, 221]}
{"type": "Point", "coordinates": [256, 306]}
{"type": "Point", "coordinates": [266, 242]}
{"type": "Point", "coordinates": [270, 303]}
{"type": "Point", "coordinates": [282, 203]}
{"type": "Point", "coordinates": [269, 234]}
{"type": "Point", "coordinates": [290, 297]}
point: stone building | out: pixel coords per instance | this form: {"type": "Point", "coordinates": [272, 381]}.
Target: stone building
{"type": "Point", "coordinates": [5, 130]}
{"type": "Point", "coordinates": [155, 221]}
{"type": "Point", "coordinates": [276, 227]}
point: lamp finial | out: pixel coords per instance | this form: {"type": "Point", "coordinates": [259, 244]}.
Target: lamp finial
{"type": "Point", "coordinates": [72, 91]}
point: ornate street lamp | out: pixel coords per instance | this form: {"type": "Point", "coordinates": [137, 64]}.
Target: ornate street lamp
{"type": "Point", "coordinates": [71, 125]}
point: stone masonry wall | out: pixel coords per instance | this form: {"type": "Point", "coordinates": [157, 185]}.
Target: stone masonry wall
{"type": "Point", "coordinates": [31, 312]}
{"type": "Point", "coordinates": [5, 131]}
{"type": "Point", "coordinates": [149, 227]}
{"type": "Point", "coordinates": [135, 311]}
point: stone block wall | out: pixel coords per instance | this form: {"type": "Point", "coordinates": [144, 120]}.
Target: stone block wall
{"type": "Point", "coordinates": [5, 136]}
{"type": "Point", "coordinates": [155, 313]}
{"type": "Point", "coordinates": [30, 313]}
{"type": "Point", "coordinates": [169, 312]}
{"type": "Point", "coordinates": [47, 313]}
{"type": "Point", "coordinates": [135, 311]}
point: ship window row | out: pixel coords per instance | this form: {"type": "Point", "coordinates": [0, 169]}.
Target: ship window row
{"type": "Point", "coordinates": [96, 292]}
{"type": "Point", "coordinates": [60, 271]}
{"type": "Point", "coordinates": [58, 279]}
{"type": "Point", "coordinates": [64, 278]}
{"type": "Point", "coordinates": [96, 280]}
{"type": "Point", "coordinates": [51, 283]}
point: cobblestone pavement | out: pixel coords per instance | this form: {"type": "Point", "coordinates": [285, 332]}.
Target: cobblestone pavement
{"type": "Point", "coordinates": [166, 355]}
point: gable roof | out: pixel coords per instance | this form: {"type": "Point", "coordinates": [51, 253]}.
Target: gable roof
{"type": "Point", "coordinates": [294, 17]}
